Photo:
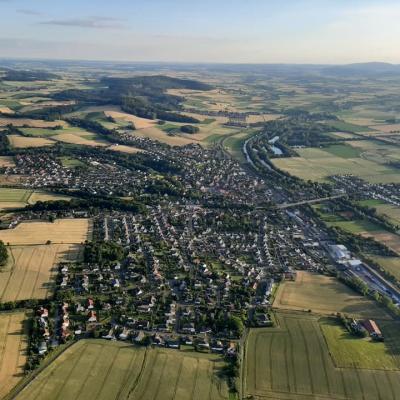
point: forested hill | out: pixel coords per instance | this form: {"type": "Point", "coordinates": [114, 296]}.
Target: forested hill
{"type": "Point", "coordinates": [145, 96]}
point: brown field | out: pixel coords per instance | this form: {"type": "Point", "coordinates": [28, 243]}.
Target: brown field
{"type": "Point", "coordinates": [252, 119]}
{"type": "Point", "coordinates": [157, 134]}
{"type": "Point", "coordinates": [34, 123]}
{"type": "Point", "coordinates": [139, 123]}
{"type": "Point", "coordinates": [44, 196]}
{"type": "Point", "coordinates": [6, 110]}
{"type": "Point", "coordinates": [324, 295]}
{"type": "Point", "coordinates": [391, 240]}
{"type": "Point", "coordinates": [386, 128]}
{"type": "Point", "coordinates": [6, 161]}
{"type": "Point", "coordinates": [68, 231]}
{"type": "Point", "coordinates": [75, 139]}
{"type": "Point", "coordinates": [30, 276]}
{"type": "Point", "coordinates": [124, 149]}
{"type": "Point", "coordinates": [12, 350]}
{"type": "Point", "coordinates": [22, 142]}
{"type": "Point", "coordinates": [25, 142]}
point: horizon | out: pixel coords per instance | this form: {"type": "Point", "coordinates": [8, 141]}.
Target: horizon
{"type": "Point", "coordinates": [289, 32]}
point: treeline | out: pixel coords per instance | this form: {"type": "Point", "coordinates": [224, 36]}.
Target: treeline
{"type": "Point", "coordinates": [28, 75]}
{"type": "Point", "coordinates": [3, 254]}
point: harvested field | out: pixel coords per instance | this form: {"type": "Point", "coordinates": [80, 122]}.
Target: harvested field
{"type": "Point", "coordinates": [124, 149]}
{"type": "Point", "coordinates": [391, 240]}
{"type": "Point", "coordinates": [325, 295]}
{"type": "Point", "coordinates": [68, 231]}
{"type": "Point", "coordinates": [23, 142]}
{"type": "Point", "coordinates": [46, 196]}
{"type": "Point", "coordinates": [6, 161]}
{"type": "Point", "coordinates": [102, 370]}
{"type": "Point", "coordinates": [389, 128]}
{"type": "Point", "coordinates": [292, 362]}
{"type": "Point", "coordinates": [34, 123]}
{"type": "Point", "coordinates": [33, 270]}
{"type": "Point", "coordinates": [13, 345]}
{"type": "Point", "coordinates": [6, 110]}
{"type": "Point", "coordinates": [252, 119]}
{"type": "Point", "coordinates": [139, 123]}
{"type": "Point", "coordinates": [75, 139]}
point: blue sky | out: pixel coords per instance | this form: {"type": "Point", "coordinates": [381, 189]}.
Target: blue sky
{"type": "Point", "coordinates": [261, 31]}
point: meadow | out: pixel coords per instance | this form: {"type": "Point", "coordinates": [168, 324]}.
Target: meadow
{"type": "Point", "coordinates": [292, 361]}
{"type": "Point", "coordinates": [390, 264]}
{"type": "Point", "coordinates": [324, 295]}
{"type": "Point", "coordinates": [102, 370]}
{"type": "Point", "coordinates": [13, 345]}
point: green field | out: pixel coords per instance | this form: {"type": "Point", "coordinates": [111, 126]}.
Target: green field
{"type": "Point", "coordinates": [292, 362]}
{"type": "Point", "coordinates": [11, 195]}
{"type": "Point", "coordinates": [346, 126]}
{"type": "Point", "coordinates": [69, 162]}
{"type": "Point", "coordinates": [101, 370]}
{"type": "Point", "coordinates": [318, 164]}
{"type": "Point", "coordinates": [390, 264]}
{"type": "Point", "coordinates": [349, 351]}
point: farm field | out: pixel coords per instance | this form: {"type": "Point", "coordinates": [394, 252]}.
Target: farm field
{"type": "Point", "coordinates": [31, 274]}
{"type": "Point", "coordinates": [67, 231]}
{"type": "Point", "coordinates": [390, 264]}
{"type": "Point", "coordinates": [292, 362]}
{"type": "Point", "coordinates": [12, 350]}
{"type": "Point", "coordinates": [34, 123]}
{"type": "Point", "coordinates": [348, 351]}
{"type": "Point", "coordinates": [138, 122]}
{"type": "Point", "coordinates": [102, 370]}
{"type": "Point", "coordinates": [124, 149]}
{"type": "Point", "coordinates": [22, 142]}
{"type": "Point", "coordinates": [389, 211]}
{"type": "Point", "coordinates": [14, 198]}
{"type": "Point", "coordinates": [6, 161]}
{"type": "Point", "coordinates": [325, 295]}
{"type": "Point", "coordinates": [73, 138]}
{"type": "Point", "coordinates": [317, 164]}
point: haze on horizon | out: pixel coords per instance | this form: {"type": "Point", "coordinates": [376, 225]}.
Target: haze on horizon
{"type": "Point", "coordinates": [231, 31]}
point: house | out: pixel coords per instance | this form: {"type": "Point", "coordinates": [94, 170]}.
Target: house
{"type": "Point", "coordinates": [373, 329]}
{"type": "Point", "coordinates": [42, 349]}
{"type": "Point", "coordinates": [92, 317]}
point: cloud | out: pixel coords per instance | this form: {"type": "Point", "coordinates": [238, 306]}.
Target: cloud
{"type": "Point", "coordinates": [28, 12]}
{"type": "Point", "coordinates": [94, 22]}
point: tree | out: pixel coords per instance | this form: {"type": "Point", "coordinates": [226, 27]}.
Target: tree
{"type": "Point", "coordinates": [3, 253]}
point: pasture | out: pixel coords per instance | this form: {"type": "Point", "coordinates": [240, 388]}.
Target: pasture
{"type": "Point", "coordinates": [32, 270]}
{"type": "Point", "coordinates": [12, 350]}
{"type": "Point", "coordinates": [292, 362]}
{"type": "Point", "coordinates": [390, 264]}
{"type": "Point", "coordinates": [349, 351]}
{"type": "Point", "coordinates": [23, 142]}
{"type": "Point", "coordinates": [101, 370]}
{"type": "Point", "coordinates": [64, 231]}
{"type": "Point", "coordinates": [324, 295]}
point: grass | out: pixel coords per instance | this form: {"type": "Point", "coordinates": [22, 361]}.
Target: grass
{"type": "Point", "coordinates": [14, 195]}
{"type": "Point", "coordinates": [98, 369]}
{"type": "Point", "coordinates": [69, 162]}
{"type": "Point", "coordinates": [349, 351]}
{"type": "Point", "coordinates": [292, 361]}
{"type": "Point", "coordinates": [390, 264]}
{"type": "Point", "coordinates": [324, 295]}
{"type": "Point", "coordinates": [12, 350]}
{"type": "Point", "coordinates": [356, 227]}
{"type": "Point", "coordinates": [346, 126]}
{"type": "Point", "coordinates": [343, 150]}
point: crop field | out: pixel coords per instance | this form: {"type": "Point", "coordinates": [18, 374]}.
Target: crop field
{"type": "Point", "coordinates": [73, 138]}
{"type": "Point", "coordinates": [156, 133]}
{"type": "Point", "coordinates": [64, 231]}
{"type": "Point", "coordinates": [317, 164]}
{"type": "Point", "coordinates": [101, 370]}
{"type": "Point", "coordinates": [124, 149]}
{"type": "Point", "coordinates": [139, 123]}
{"type": "Point", "coordinates": [30, 276]}
{"type": "Point", "coordinates": [12, 350]}
{"type": "Point", "coordinates": [22, 142]}
{"type": "Point", "coordinates": [325, 295]}
{"type": "Point", "coordinates": [6, 161]}
{"type": "Point", "coordinates": [15, 198]}
{"type": "Point", "coordinates": [349, 351]}
{"type": "Point", "coordinates": [292, 362]}
{"type": "Point", "coordinates": [34, 123]}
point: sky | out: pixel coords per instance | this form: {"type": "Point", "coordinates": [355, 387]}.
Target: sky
{"type": "Point", "coordinates": [223, 31]}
